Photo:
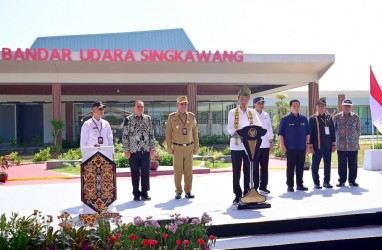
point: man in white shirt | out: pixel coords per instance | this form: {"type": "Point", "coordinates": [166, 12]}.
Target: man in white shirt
{"type": "Point", "coordinates": [262, 154]}
{"type": "Point", "coordinates": [238, 118]}
{"type": "Point", "coordinates": [96, 131]}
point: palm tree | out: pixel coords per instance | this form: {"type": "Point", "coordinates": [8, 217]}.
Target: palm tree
{"type": "Point", "coordinates": [57, 126]}
{"type": "Point", "coordinates": [282, 109]}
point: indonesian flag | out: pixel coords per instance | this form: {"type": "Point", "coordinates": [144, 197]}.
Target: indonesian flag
{"type": "Point", "coordinates": [375, 102]}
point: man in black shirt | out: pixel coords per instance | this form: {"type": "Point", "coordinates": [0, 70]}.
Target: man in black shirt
{"type": "Point", "coordinates": [322, 143]}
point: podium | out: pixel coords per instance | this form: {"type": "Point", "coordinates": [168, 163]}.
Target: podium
{"type": "Point", "coordinates": [251, 138]}
{"type": "Point", "coordinates": [98, 179]}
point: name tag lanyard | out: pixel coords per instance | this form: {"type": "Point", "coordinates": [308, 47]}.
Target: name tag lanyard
{"type": "Point", "coordinates": [100, 138]}
{"type": "Point", "coordinates": [184, 131]}
{"type": "Point", "coordinates": [327, 132]}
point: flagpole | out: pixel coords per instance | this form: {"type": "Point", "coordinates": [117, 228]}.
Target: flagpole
{"type": "Point", "coordinates": [372, 125]}
{"type": "Point", "coordinates": [372, 135]}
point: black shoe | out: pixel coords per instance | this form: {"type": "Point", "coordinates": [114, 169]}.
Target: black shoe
{"type": "Point", "coordinates": [137, 198]}
{"type": "Point", "coordinates": [146, 198]}
{"type": "Point", "coordinates": [264, 190]}
{"type": "Point", "coordinates": [290, 189]}
{"type": "Point", "coordinates": [189, 196]}
{"type": "Point", "coordinates": [340, 184]}
{"type": "Point", "coordinates": [302, 188]}
{"type": "Point", "coordinates": [353, 184]}
{"type": "Point", "coordinates": [236, 200]}
{"type": "Point", "coordinates": [317, 186]}
{"type": "Point", "coordinates": [327, 185]}
{"type": "Point", "coordinates": [178, 196]}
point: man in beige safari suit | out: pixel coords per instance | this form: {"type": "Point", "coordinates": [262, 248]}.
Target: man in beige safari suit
{"type": "Point", "coordinates": [182, 142]}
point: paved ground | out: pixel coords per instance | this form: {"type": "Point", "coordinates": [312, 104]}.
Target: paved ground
{"type": "Point", "coordinates": [37, 173]}
{"type": "Point", "coordinates": [213, 195]}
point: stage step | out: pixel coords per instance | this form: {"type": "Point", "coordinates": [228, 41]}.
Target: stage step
{"type": "Point", "coordinates": [330, 232]}
{"type": "Point", "coordinates": [365, 238]}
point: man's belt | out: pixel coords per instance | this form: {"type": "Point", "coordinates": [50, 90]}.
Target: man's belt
{"type": "Point", "coordinates": [184, 144]}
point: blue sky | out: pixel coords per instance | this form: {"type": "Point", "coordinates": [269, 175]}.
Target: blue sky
{"type": "Point", "coordinates": [350, 29]}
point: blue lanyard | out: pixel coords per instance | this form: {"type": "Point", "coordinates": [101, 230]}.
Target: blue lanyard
{"type": "Point", "coordinates": [99, 130]}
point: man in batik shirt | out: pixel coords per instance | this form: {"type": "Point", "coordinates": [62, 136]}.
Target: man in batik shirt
{"type": "Point", "coordinates": [138, 142]}
{"type": "Point", "coordinates": [348, 130]}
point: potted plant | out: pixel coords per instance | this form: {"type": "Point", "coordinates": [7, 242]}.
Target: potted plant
{"type": "Point", "coordinates": [5, 162]}
{"type": "Point", "coordinates": [154, 161]}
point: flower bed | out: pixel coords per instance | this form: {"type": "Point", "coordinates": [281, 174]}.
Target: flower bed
{"type": "Point", "coordinates": [102, 232]}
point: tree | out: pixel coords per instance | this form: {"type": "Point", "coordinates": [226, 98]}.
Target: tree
{"type": "Point", "coordinates": [282, 109]}
{"type": "Point", "coordinates": [57, 126]}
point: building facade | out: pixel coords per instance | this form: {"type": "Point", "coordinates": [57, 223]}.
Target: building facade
{"type": "Point", "coordinates": [60, 77]}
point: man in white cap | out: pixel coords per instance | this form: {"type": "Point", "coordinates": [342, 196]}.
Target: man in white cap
{"type": "Point", "coordinates": [348, 130]}
{"type": "Point", "coordinates": [240, 117]}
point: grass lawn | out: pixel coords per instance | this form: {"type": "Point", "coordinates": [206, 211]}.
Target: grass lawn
{"type": "Point", "coordinates": [213, 166]}
{"type": "Point", "coordinates": [361, 154]}
{"type": "Point", "coordinates": [69, 169]}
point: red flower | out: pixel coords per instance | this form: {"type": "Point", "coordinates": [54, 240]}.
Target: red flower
{"type": "Point", "coordinates": [133, 237]}
{"type": "Point", "coordinates": [178, 242]}
{"type": "Point", "coordinates": [146, 243]}
{"type": "Point", "coordinates": [186, 242]}
{"type": "Point", "coordinates": [200, 242]}
{"type": "Point", "coordinates": [117, 236]}
{"type": "Point", "coordinates": [112, 238]}
{"type": "Point", "coordinates": [153, 242]}
{"type": "Point", "coordinates": [212, 237]}
{"type": "Point", "coordinates": [164, 236]}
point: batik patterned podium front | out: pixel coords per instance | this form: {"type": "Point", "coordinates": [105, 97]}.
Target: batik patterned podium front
{"type": "Point", "coordinates": [98, 182]}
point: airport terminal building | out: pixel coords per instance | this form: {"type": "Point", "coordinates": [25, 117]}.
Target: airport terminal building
{"type": "Point", "coordinates": [60, 77]}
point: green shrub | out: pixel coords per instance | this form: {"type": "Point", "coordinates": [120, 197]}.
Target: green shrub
{"type": "Point", "coordinates": [227, 151]}
{"type": "Point", "coordinates": [205, 151]}
{"type": "Point", "coordinates": [165, 159]}
{"type": "Point", "coordinates": [277, 151]}
{"type": "Point", "coordinates": [118, 147]}
{"type": "Point", "coordinates": [377, 146]}
{"type": "Point", "coordinates": [15, 158]}
{"type": "Point", "coordinates": [71, 154]}
{"type": "Point", "coordinates": [42, 155]}
{"type": "Point", "coordinates": [121, 161]}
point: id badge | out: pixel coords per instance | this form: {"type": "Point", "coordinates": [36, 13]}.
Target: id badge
{"type": "Point", "coordinates": [100, 140]}
{"type": "Point", "coordinates": [184, 131]}
{"type": "Point", "coordinates": [327, 132]}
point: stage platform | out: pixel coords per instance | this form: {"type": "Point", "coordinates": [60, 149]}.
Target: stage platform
{"type": "Point", "coordinates": [291, 213]}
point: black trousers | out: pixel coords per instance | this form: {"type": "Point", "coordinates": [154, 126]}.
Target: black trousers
{"type": "Point", "coordinates": [325, 153]}
{"type": "Point", "coordinates": [260, 167]}
{"type": "Point", "coordinates": [239, 158]}
{"type": "Point", "coordinates": [347, 159]}
{"type": "Point", "coordinates": [140, 171]}
{"type": "Point", "coordinates": [295, 162]}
